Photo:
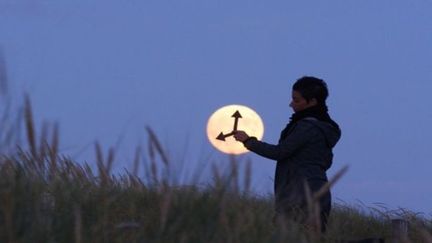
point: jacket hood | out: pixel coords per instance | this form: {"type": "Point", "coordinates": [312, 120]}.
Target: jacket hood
{"type": "Point", "coordinates": [331, 132]}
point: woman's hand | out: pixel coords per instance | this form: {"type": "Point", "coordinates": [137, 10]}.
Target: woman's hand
{"type": "Point", "coordinates": [240, 136]}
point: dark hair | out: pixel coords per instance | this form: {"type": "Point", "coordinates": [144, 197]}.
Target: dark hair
{"type": "Point", "coordinates": [311, 87]}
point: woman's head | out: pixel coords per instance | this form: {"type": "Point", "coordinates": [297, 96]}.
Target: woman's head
{"type": "Point", "coordinates": [307, 92]}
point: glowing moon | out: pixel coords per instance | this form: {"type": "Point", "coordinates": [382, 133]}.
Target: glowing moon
{"type": "Point", "coordinates": [222, 121]}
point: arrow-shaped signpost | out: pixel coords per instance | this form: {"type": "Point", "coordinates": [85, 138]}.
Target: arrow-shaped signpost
{"type": "Point", "coordinates": [236, 116]}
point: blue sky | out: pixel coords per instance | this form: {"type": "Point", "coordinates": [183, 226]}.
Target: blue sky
{"type": "Point", "coordinates": [105, 69]}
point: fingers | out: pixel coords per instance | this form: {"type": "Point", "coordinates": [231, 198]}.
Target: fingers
{"type": "Point", "coordinates": [240, 136]}
{"type": "Point", "coordinates": [236, 135]}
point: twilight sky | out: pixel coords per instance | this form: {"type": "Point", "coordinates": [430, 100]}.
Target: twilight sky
{"type": "Point", "coordinates": [105, 69]}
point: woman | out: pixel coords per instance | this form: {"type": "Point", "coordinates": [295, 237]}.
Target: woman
{"type": "Point", "coordinates": [303, 153]}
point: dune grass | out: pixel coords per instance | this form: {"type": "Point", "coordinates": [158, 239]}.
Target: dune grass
{"type": "Point", "coordinates": [47, 197]}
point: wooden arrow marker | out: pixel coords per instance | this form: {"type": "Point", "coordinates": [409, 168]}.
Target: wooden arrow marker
{"type": "Point", "coordinates": [236, 116]}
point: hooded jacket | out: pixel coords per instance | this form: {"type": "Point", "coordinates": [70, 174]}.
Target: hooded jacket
{"type": "Point", "coordinates": [304, 153]}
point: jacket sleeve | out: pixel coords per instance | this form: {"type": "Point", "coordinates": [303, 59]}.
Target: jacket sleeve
{"type": "Point", "coordinates": [300, 135]}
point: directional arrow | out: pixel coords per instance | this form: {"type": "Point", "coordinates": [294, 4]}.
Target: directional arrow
{"type": "Point", "coordinates": [222, 137]}
{"type": "Point", "coordinates": [236, 115]}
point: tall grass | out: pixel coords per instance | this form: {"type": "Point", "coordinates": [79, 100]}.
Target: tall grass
{"type": "Point", "coordinates": [47, 197]}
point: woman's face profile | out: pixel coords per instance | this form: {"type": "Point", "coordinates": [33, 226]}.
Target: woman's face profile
{"type": "Point", "coordinates": [299, 103]}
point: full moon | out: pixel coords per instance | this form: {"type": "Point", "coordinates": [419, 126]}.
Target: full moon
{"type": "Point", "coordinates": [225, 120]}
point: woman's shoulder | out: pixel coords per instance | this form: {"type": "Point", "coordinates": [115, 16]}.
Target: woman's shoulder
{"type": "Point", "coordinates": [331, 133]}
{"type": "Point", "coordinates": [307, 124]}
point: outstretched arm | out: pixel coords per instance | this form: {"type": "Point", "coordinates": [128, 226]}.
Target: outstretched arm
{"type": "Point", "coordinates": [297, 138]}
